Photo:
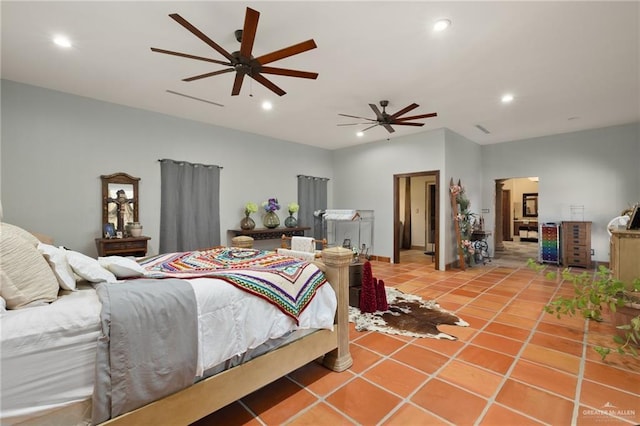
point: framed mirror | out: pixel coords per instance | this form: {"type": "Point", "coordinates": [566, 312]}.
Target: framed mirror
{"type": "Point", "coordinates": [119, 201]}
{"type": "Point", "coordinates": [530, 204]}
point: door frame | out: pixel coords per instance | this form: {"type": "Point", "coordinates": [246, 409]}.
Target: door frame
{"type": "Point", "coordinates": [507, 223]}
{"type": "Point", "coordinates": [427, 210]}
{"type": "Point", "coordinates": [396, 213]}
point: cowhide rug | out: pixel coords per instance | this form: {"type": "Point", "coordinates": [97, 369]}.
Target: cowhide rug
{"type": "Point", "coordinates": [408, 315]}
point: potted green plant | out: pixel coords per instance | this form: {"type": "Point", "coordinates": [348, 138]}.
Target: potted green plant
{"type": "Point", "coordinates": [593, 295]}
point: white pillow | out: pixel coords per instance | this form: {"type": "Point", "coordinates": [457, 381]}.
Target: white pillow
{"type": "Point", "coordinates": [3, 305]}
{"type": "Point", "coordinates": [121, 267]}
{"type": "Point", "coordinates": [88, 268]}
{"type": "Point", "coordinates": [58, 261]}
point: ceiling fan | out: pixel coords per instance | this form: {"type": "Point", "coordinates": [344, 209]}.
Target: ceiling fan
{"type": "Point", "coordinates": [386, 120]}
{"type": "Point", "coordinates": [242, 61]}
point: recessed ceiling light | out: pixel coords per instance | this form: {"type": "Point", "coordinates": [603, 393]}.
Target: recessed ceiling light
{"type": "Point", "coordinates": [360, 134]}
{"type": "Point", "coordinates": [266, 105]}
{"type": "Point", "coordinates": [507, 98]}
{"type": "Point", "coordinates": [62, 41]}
{"type": "Point", "coordinates": [441, 25]}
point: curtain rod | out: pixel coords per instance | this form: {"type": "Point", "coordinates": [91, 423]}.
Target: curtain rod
{"type": "Point", "coordinates": [193, 164]}
{"type": "Point", "coordinates": [312, 177]}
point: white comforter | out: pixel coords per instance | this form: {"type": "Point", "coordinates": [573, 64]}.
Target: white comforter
{"type": "Point", "coordinates": [48, 352]}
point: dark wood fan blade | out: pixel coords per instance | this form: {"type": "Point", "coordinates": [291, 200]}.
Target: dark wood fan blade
{"type": "Point", "coordinates": [405, 110]}
{"type": "Point", "coordinates": [388, 127]}
{"type": "Point", "coordinates": [375, 109]}
{"type": "Point", "coordinates": [402, 123]}
{"type": "Point", "coordinates": [185, 55]}
{"type": "Point", "coordinates": [237, 84]}
{"type": "Point", "coordinates": [209, 74]}
{"type": "Point", "coordinates": [286, 52]}
{"type": "Point", "coordinates": [355, 116]}
{"type": "Point", "coordinates": [289, 73]}
{"type": "Point", "coordinates": [268, 84]}
{"type": "Point", "coordinates": [417, 117]}
{"type": "Point", "coordinates": [249, 32]}
{"type": "Point", "coordinates": [180, 20]}
{"type": "Point", "coordinates": [370, 127]}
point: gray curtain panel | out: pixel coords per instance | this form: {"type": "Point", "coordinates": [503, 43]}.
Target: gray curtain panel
{"type": "Point", "coordinates": [312, 196]}
{"type": "Point", "coordinates": [190, 206]}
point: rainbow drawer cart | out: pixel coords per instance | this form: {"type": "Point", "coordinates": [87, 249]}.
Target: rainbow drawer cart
{"type": "Point", "coordinates": [550, 243]}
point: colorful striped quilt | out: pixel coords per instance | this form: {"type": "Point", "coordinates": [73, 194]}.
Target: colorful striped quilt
{"type": "Point", "coordinates": [285, 282]}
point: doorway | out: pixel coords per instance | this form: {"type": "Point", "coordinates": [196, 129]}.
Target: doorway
{"type": "Point", "coordinates": [416, 215]}
{"type": "Point", "coordinates": [516, 237]}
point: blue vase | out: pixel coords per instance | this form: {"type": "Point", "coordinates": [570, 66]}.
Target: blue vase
{"type": "Point", "coordinates": [290, 221]}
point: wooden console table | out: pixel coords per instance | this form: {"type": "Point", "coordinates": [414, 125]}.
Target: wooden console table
{"type": "Point", "coordinates": [270, 233]}
{"type": "Point", "coordinates": [131, 246]}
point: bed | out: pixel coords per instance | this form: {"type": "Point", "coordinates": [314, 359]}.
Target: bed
{"type": "Point", "coordinates": [49, 348]}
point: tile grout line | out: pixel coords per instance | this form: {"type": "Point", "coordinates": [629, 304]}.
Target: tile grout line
{"type": "Point", "coordinates": [581, 369]}
{"type": "Point", "coordinates": [466, 343]}
{"type": "Point", "coordinates": [491, 399]}
{"type": "Point", "coordinates": [518, 356]}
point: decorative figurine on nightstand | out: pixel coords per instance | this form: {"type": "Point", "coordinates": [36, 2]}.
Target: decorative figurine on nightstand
{"type": "Point", "coordinates": [124, 209]}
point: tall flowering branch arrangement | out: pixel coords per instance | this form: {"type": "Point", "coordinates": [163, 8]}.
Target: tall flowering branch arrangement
{"type": "Point", "coordinates": [466, 220]}
{"type": "Point", "coordinates": [271, 205]}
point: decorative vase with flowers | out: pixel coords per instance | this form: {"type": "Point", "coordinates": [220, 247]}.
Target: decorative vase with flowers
{"type": "Point", "coordinates": [291, 221]}
{"type": "Point", "coordinates": [271, 219]}
{"type": "Point", "coordinates": [247, 223]}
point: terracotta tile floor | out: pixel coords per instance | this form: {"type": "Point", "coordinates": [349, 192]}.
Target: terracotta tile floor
{"type": "Point", "coordinates": [514, 365]}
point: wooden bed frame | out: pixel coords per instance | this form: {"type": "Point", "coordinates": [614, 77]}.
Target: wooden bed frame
{"type": "Point", "coordinates": [209, 395]}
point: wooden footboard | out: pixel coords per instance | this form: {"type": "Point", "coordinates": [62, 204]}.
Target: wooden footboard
{"type": "Point", "coordinates": [213, 393]}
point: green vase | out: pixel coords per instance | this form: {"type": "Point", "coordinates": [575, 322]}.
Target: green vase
{"type": "Point", "coordinates": [290, 221]}
{"type": "Point", "coordinates": [271, 220]}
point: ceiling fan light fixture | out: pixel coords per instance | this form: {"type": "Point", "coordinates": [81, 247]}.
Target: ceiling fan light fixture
{"type": "Point", "coordinates": [507, 98]}
{"type": "Point", "coordinates": [62, 41]}
{"type": "Point", "coordinates": [441, 25]}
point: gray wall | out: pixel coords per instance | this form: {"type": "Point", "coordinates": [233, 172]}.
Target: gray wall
{"type": "Point", "coordinates": [463, 163]}
{"type": "Point", "coordinates": [364, 177]}
{"type": "Point", "coordinates": [597, 169]}
{"type": "Point", "coordinates": [55, 146]}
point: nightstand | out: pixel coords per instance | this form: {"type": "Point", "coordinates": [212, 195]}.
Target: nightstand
{"type": "Point", "coordinates": [130, 246]}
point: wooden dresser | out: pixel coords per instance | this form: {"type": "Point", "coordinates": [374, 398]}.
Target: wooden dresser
{"type": "Point", "coordinates": [624, 259]}
{"type": "Point", "coordinates": [576, 244]}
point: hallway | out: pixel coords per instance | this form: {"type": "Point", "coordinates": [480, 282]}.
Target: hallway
{"type": "Point", "coordinates": [516, 254]}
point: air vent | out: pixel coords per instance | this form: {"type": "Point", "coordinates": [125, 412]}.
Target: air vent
{"type": "Point", "coordinates": [483, 129]}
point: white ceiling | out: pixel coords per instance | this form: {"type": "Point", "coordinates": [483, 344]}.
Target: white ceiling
{"type": "Point", "coordinates": [570, 65]}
